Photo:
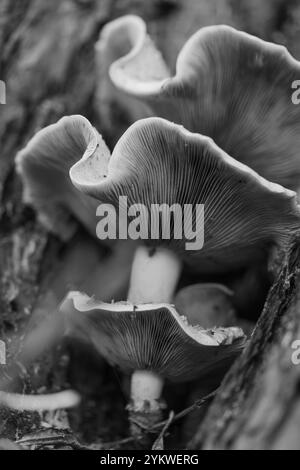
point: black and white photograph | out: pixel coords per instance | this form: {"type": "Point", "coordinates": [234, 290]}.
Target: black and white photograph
{"type": "Point", "coordinates": [149, 228]}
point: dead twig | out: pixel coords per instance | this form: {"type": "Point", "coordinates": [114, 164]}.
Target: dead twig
{"type": "Point", "coordinates": [159, 442]}
{"type": "Point", "coordinates": [51, 438]}
{"type": "Point", "coordinates": [197, 404]}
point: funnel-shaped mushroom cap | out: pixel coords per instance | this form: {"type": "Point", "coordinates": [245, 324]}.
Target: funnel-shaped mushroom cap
{"type": "Point", "coordinates": [210, 305]}
{"type": "Point", "coordinates": [138, 60]}
{"type": "Point", "coordinates": [206, 304]}
{"type": "Point", "coordinates": [44, 166]}
{"type": "Point", "coordinates": [157, 162]}
{"type": "Point", "coordinates": [233, 87]}
{"type": "Point", "coordinates": [151, 337]}
{"type": "Point", "coordinates": [126, 35]}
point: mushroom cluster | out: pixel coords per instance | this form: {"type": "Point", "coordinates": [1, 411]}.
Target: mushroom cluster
{"type": "Point", "coordinates": [157, 163]}
{"type": "Point", "coordinates": [240, 127]}
{"type": "Point", "coordinates": [228, 85]}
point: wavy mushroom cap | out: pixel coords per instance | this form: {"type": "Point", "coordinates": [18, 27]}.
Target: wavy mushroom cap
{"type": "Point", "coordinates": [132, 54]}
{"type": "Point", "coordinates": [44, 165]}
{"type": "Point", "coordinates": [128, 35]}
{"type": "Point", "coordinates": [157, 162]}
{"type": "Point", "coordinates": [231, 86]}
{"type": "Point", "coordinates": [151, 337]}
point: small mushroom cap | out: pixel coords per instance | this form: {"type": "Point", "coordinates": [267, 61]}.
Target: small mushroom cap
{"type": "Point", "coordinates": [125, 35]}
{"type": "Point", "coordinates": [44, 165]}
{"type": "Point", "coordinates": [136, 57]}
{"type": "Point", "coordinates": [233, 87]}
{"type": "Point", "coordinates": [157, 162]}
{"type": "Point", "coordinates": [206, 304]}
{"type": "Point", "coordinates": [210, 305]}
{"type": "Point", "coordinates": [151, 337]}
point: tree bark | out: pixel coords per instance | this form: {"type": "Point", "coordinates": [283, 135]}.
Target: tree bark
{"type": "Point", "coordinates": [258, 405]}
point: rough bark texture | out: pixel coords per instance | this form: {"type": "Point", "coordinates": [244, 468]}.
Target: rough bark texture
{"type": "Point", "coordinates": [258, 405]}
{"type": "Point", "coordinates": [48, 63]}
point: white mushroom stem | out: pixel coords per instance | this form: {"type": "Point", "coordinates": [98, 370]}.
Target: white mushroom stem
{"type": "Point", "coordinates": [146, 389]}
{"type": "Point", "coordinates": [154, 276]}
{"type": "Point", "coordinates": [51, 401]}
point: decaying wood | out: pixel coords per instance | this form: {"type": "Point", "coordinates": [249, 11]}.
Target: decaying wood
{"type": "Point", "coordinates": [258, 405]}
{"type": "Point", "coordinates": [47, 60]}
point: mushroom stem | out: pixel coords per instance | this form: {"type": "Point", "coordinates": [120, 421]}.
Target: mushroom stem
{"type": "Point", "coordinates": [51, 401]}
{"type": "Point", "coordinates": [154, 276]}
{"type": "Point", "coordinates": [146, 404]}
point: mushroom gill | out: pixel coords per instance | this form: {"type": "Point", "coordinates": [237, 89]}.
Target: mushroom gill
{"type": "Point", "coordinates": [152, 342]}
{"type": "Point", "coordinates": [158, 163]}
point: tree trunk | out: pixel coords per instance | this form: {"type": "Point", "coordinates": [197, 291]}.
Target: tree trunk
{"type": "Point", "coordinates": [258, 405]}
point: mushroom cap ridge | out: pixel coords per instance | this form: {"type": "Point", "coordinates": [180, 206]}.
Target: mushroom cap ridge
{"type": "Point", "coordinates": [43, 166]}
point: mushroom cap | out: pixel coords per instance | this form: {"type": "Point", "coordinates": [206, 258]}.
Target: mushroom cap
{"type": "Point", "coordinates": [231, 86]}
{"type": "Point", "coordinates": [157, 162]}
{"type": "Point", "coordinates": [136, 57]}
{"type": "Point", "coordinates": [44, 165]}
{"type": "Point", "coordinates": [151, 337]}
{"type": "Point", "coordinates": [207, 304]}
{"type": "Point", "coordinates": [117, 38]}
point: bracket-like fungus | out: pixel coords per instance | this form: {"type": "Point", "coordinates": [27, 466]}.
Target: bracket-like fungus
{"type": "Point", "coordinates": [229, 85]}
{"type": "Point", "coordinates": [44, 169]}
{"type": "Point", "coordinates": [157, 162]}
{"type": "Point", "coordinates": [152, 342]}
